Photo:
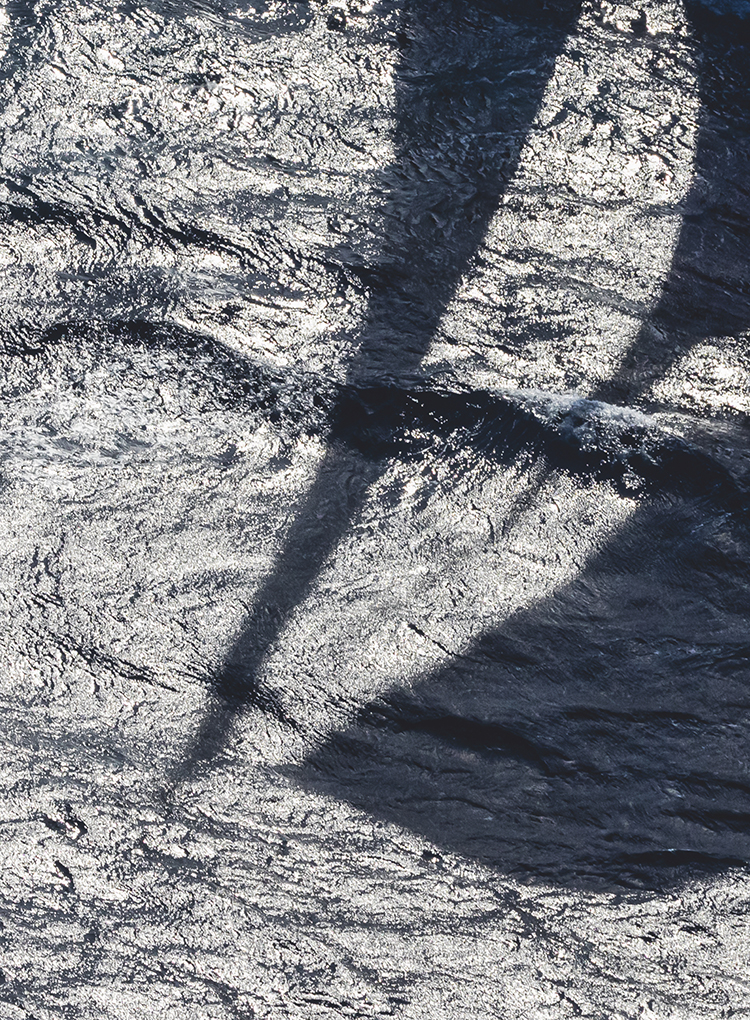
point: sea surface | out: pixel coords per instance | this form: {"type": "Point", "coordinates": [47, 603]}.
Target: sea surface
{"type": "Point", "coordinates": [374, 509]}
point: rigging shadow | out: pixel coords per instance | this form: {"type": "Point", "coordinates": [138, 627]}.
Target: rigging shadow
{"type": "Point", "coordinates": [470, 79]}
{"type": "Point", "coordinates": [707, 293]}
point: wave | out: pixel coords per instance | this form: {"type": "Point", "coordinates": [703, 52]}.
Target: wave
{"type": "Point", "coordinates": [405, 420]}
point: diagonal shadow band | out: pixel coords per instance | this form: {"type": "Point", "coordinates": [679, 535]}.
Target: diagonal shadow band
{"type": "Point", "coordinates": [469, 74]}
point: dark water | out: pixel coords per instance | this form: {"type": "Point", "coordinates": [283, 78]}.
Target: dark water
{"type": "Point", "coordinates": [601, 732]}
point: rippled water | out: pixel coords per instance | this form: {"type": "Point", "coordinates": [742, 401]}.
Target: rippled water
{"type": "Point", "coordinates": [374, 448]}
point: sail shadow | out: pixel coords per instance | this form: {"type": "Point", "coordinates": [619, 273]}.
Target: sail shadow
{"type": "Point", "coordinates": [469, 83]}
{"type": "Point", "coordinates": [600, 738]}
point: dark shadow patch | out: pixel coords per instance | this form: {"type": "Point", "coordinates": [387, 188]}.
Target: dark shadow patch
{"type": "Point", "coordinates": [579, 742]}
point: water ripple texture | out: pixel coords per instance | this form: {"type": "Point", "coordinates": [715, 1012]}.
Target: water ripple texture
{"type": "Point", "coordinates": [374, 481]}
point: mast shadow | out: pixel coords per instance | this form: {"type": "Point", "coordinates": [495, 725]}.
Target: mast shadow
{"type": "Point", "coordinates": [469, 83]}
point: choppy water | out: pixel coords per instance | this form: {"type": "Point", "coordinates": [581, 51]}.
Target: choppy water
{"type": "Point", "coordinates": [375, 426]}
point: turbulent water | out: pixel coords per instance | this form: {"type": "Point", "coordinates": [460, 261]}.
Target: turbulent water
{"type": "Point", "coordinates": [375, 486]}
